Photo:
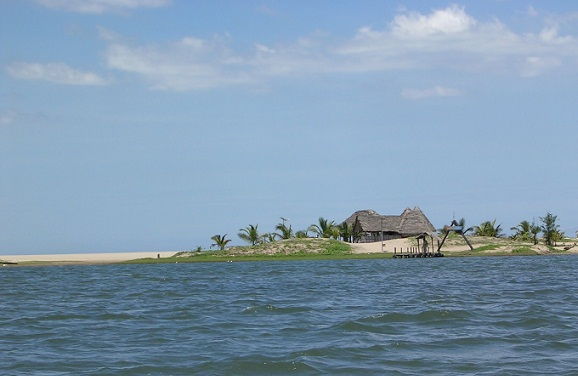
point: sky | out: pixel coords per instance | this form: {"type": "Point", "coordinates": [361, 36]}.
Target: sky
{"type": "Point", "coordinates": [136, 125]}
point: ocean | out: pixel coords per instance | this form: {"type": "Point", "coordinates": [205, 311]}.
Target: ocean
{"type": "Point", "coordinates": [446, 316]}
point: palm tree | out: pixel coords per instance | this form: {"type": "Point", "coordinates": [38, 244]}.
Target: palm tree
{"type": "Point", "coordinates": [535, 230]}
{"type": "Point", "coordinates": [301, 234]}
{"type": "Point", "coordinates": [462, 223]}
{"type": "Point", "coordinates": [220, 241]}
{"type": "Point", "coordinates": [284, 231]}
{"type": "Point", "coordinates": [522, 231]}
{"type": "Point", "coordinates": [250, 234]}
{"type": "Point", "coordinates": [526, 231]}
{"type": "Point", "coordinates": [558, 236]}
{"type": "Point", "coordinates": [346, 232]}
{"type": "Point", "coordinates": [489, 228]}
{"type": "Point", "coordinates": [458, 227]}
{"type": "Point", "coordinates": [549, 228]}
{"type": "Point", "coordinates": [325, 229]}
{"type": "Point", "coordinates": [269, 237]}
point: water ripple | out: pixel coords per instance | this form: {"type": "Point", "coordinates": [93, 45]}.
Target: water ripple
{"type": "Point", "coordinates": [479, 316]}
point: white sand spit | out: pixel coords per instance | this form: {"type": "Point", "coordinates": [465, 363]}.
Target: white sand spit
{"type": "Point", "coordinates": [84, 258]}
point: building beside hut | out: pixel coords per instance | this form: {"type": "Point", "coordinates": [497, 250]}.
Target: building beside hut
{"type": "Point", "coordinates": [369, 226]}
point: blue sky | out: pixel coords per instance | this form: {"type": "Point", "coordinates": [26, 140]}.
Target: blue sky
{"type": "Point", "coordinates": [130, 125]}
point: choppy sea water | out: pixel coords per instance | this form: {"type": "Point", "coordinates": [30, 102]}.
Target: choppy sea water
{"type": "Point", "coordinates": [478, 316]}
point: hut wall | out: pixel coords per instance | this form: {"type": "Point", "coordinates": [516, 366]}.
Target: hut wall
{"type": "Point", "coordinates": [391, 235]}
{"type": "Point", "coordinates": [375, 236]}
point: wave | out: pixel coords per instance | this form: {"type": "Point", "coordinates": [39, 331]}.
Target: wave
{"type": "Point", "coordinates": [269, 308]}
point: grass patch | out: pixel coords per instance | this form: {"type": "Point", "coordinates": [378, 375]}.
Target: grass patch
{"type": "Point", "coordinates": [524, 251]}
{"type": "Point", "coordinates": [521, 251]}
{"type": "Point", "coordinates": [554, 249]}
{"type": "Point", "coordinates": [283, 247]}
{"type": "Point", "coordinates": [247, 258]}
{"type": "Point", "coordinates": [487, 247]}
{"type": "Point", "coordinates": [293, 249]}
{"type": "Point", "coordinates": [335, 247]}
{"type": "Point", "coordinates": [476, 254]}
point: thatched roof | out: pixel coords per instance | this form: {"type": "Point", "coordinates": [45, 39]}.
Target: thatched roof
{"type": "Point", "coordinates": [371, 221]}
{"type": "Point", "coordinates": [410, 223]}
{"type": "Point", "coordinates": [414, 222]}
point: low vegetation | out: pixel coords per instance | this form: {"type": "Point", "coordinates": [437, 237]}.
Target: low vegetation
{"type": "Point", "coordinates": [524, 251]}
{"type": "Point", "coordinates": [487, 247]}
{"type": "Point", "coordinates": [282, 250]}
{"type": "Point", "coordinates": [327, 239]}
{"type": "Point", "coordinates": [288, 247]}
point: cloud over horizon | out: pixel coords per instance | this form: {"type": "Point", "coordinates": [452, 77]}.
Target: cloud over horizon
{"type": "Point", "coordinates": [58, 73]}
{"type": "Point", "coordinates": [189, 63]}
{"type": "Point", "coordinates": [436, 91]}
{"type": "Point", "coordinates": [7, 117]}
{"type": "Point", "coordinates": [101, 6]}
{"type": "Point", "coordinates": [446, 38]}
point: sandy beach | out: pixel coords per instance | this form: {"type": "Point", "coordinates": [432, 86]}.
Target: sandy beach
{"type": "Point", "coordinates": [398, 245]}
{"type": "Point", "coordinates": [502, 245]}
{"type": "Point", "coordinates": [82, 258]}
{"type": "Point", "coordinates": [404, 244]}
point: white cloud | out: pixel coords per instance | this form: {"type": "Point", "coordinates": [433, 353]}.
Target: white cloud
{"type": "Point", "coordinates": [535, 65]}
{"type": "Point", "coordinates": [58, 73]}
{"type": "Point", "coordinates": [436, 91]}
{"type": "Point", "coordinates": [11, 116]}
{"type": "Point", "coordinates": [7, 117]}
{"type": "Point", "coordinates": [451, 39]}
{"type": "Point", "coordinates": [443, 21]}
{"type": "Point", "coordinates": [266, 10]}
{"type": "Point", "coordinates": [190, 63]}
{"type": "Point", "coordinates": [532, 12]}
{"type": "Point", "coordinates": [456, 44]}
{"type": "Point", "coordinates": [101, 6]}
{"type": "Point", "coordinates": [444, 39]}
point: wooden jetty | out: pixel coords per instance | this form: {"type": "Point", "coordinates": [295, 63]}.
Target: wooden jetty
{"type": "Point", "coordinates": [424, 248]}
{"type": "Point", "coordinates": [418, 255]}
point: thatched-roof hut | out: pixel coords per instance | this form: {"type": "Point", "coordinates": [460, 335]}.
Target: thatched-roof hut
{"type": "Point", "coordinates": [373, 227]}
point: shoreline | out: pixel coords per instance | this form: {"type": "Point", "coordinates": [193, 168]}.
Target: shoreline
{"type": "Point", "coordinates": [287, 250]}
{"type": "Point", "coordinates": [211, 258]}
{"type": "Point", "coordinates": [78, 258]}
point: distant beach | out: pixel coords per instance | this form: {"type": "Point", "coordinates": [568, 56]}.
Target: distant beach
{"type": "Point", "coordinates": [298, 249]}
{"type": "Point", "coordinates": [81, 258]}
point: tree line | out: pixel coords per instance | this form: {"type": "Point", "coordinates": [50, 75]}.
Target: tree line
{"type": "Point", "coordinates": [324, 228]}
{"type": "Point", "coordinates": [524, 231]}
